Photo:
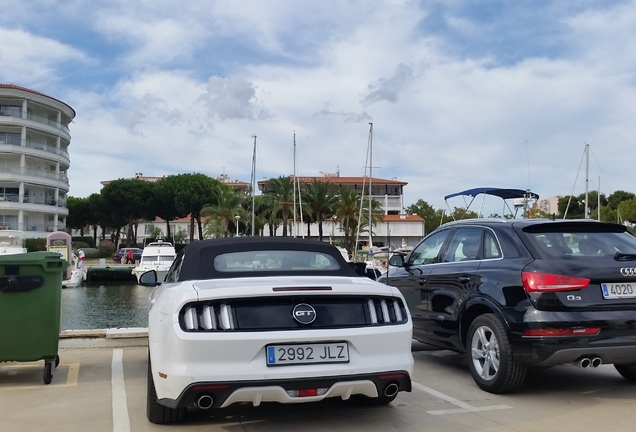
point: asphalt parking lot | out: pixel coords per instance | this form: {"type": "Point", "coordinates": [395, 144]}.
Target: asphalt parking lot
{"type": "Point", "coordinates": [103, 388]}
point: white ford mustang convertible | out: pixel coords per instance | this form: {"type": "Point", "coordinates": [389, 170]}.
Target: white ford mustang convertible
{"type": "Point", "coordinates": [267, 319]}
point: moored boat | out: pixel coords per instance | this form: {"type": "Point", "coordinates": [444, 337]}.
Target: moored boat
{"type": "Point", "coordinates": [78, 271]}
{"type": "Point", "coordinates": [12, 242]}
{"type": "Point", "coordinates": [157, 256]}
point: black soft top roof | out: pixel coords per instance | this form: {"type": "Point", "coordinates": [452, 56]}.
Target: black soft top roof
{"type": "Point", "coordinates": [198, 257]}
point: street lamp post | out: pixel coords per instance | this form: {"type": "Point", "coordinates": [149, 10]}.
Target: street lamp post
{"type": "Point", "coordinates": [237, 217]}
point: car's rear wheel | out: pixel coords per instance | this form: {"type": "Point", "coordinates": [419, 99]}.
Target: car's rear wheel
{"type": "Point", "coordinates": [157, 413]}
{"type": "Point", "coordinates": [490, 356]}
{"type": "Point", "coordinates": [627, 370]}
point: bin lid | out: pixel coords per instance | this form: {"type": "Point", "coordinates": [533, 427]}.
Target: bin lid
{"type": "Point", "coordinates": [50, 261]}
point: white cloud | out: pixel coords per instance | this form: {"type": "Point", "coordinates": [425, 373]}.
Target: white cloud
{"type": "Point", "coordinates": [31, 60]}
{"type": "Point", "coordinates": [183, 87]}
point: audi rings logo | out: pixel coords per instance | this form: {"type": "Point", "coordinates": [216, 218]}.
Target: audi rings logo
{"type": "Point", "coordinates": [304, 313]}
{"type": "Point", "coordinates": [628, 271]}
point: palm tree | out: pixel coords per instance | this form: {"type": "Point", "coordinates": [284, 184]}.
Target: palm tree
{"type": "Point", "coordinates": [228, 206]}
{"type": "Point", "coordinates": [320, 203]}
{"type": "Point", "coordinates": [346, 214]}
{"type": "Point", "coordinates": [281, 190]}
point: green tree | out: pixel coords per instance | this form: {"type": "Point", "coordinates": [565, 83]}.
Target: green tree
{"type": "Point", "coordinates": [346, 215]}
{"type": "Point", "coordinates": [128, 200]}
{"type": "Point", "coordinates": [319, 203]}
{"type": "Point", "coordinates": [228, 206]}
{"type": "Point", "coordinates": [78, 213]}
{"type": "Point", "coordinates": [97, 213]}
{"type": "Point", "coordinates": [281, 191]}
{"type": "Point", "coordinates": [191, 193]}
{"type": "Point", "coordinates": [616, 197]}
{"type": "Point", "coordinates": [627, 210]}
{"type": "Point", "coordinates": [164, 203]}
{"type": "Point", "coordinates": [570, 207]}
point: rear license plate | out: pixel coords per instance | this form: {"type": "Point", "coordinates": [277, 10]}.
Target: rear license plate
{"type": "Point", "coordinates": [618, 290]}
{"type": "Point", "coordinates": [280, 355]}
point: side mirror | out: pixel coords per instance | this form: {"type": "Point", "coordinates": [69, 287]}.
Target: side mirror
{"type": "Point", "coordinates": [149, 278]}
{"type": "Point", "coordinates": [396, 260]}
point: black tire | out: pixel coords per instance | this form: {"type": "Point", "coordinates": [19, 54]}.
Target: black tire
{"type": "Point", "coordinates": [490, 358]}
{"type": "Point", "coordinates": [627, 370]}
{"type": "Point", "coordinates": [48, 372]}
{"type": "Point", "coordinates": [57, 360]}
{"type": "Point", "coordinates": [157, 413]}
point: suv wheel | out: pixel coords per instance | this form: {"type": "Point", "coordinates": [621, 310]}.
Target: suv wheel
{"type": "Point", "coordinates": [627, 370]}
{"type": "Point", "coordinates": [490, 356]}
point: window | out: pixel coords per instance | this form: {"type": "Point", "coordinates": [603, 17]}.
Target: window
{"type": "Point", "coordinates": [491, 246]}
{"type": "Point", "coordinates": [464, 246]}
{"type": "Point", "coordinates": [427, 251]}
{"type": "Point", "coordinates": [266, 260]}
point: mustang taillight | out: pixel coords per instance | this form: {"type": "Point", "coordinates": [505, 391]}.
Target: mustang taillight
{"type": "Point", "coordinates": [546, 282]}
{"type": "Point", "coordinates": [229, 315]}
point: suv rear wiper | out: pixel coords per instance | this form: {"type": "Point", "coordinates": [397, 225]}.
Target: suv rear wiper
{"type": "Point", "coordinates": [619, 256]}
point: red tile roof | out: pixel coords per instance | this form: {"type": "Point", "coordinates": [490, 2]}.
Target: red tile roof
{"type": "Point", "coordinates": [17, 87]}
{"type": "Point", "coordinates": [345, 180]}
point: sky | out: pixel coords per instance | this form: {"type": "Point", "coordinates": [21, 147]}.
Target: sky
{"type": "Point", "coordinates": [461, 93]}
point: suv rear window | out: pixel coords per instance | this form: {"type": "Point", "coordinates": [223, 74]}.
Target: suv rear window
{"type": "Point", "coordinates": [577, 243]}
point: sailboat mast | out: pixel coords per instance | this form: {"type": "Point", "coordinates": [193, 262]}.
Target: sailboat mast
{"type": "Point", "coordinates": [254, 187]}
{"type": "Point", "coordinates": [370, 183]}
{"type": "Point", "coordinates": [587, 179]}
{"type": "Point", "coordinates": [294, 193]}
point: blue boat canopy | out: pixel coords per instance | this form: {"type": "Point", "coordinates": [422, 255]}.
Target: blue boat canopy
{"type": "Point", "coordinates": [505, 194]}
{"type": "Point", "coordinates": [498, 192]}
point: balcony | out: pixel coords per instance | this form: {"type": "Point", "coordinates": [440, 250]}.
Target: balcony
{"type": "Point", "coordinates": [26, 199]}
{"type": "Point", "coordinates": [35, 118]}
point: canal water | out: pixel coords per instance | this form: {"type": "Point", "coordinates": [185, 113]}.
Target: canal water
{"type": "Point", "coordinates": [104, 305]}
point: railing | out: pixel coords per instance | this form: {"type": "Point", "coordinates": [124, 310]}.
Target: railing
{"type": "Point", "coordinates": [10, 197]}
{"type": "Point", "coordinates": [6, 168]}
{"type": "Point", "coordinates": [34, 117]}
{"type": "Point", "coordinates": [40, 227]}
{"type": "Point", "coordinates": [34, 145]}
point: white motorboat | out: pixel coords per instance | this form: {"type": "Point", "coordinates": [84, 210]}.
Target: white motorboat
{"type": "Point", "coordinates": [157, 256]}
{"type": "Point", "coordinates": [78, 271]}
{"type": "Point", "coordinates": [12, 242]}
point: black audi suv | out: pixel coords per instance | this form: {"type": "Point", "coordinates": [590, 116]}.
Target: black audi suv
{"type": "Point", "coordinates": [521, 293]}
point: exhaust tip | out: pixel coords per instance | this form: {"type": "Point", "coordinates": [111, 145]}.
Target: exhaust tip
{"type": "Point", "coordinates": [205, 401]}
{"type": "Point", "coordinates": [585, 362]}
{"type": "Point", "coordinates": [391, 390]}
{"type": "Point", "coordinates": [596, 362]}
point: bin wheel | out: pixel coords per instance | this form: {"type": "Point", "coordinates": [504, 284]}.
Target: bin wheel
{"type": "Point", "coordinates": [48, 374]}
{"type": "Point", "coordinates": [57, 360]}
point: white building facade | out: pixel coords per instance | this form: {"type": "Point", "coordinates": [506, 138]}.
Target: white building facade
{"type": "Point", "coordinates": [34, 161]}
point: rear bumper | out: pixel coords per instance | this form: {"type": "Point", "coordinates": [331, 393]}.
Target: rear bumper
{"type": "Point", "coordinates": [224, 394]}
{"type": "Point", "coordinates": [615, 343]}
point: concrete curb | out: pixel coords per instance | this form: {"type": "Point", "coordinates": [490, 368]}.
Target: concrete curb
{"type": "Point", "coordinates": [104, 338]}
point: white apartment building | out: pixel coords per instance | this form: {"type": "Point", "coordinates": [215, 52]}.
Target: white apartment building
{"type": "Point", "coordinates": [34, 160]}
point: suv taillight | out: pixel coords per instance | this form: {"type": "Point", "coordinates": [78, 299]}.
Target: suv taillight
{"type": "Point", "coordinates": [546, 282]}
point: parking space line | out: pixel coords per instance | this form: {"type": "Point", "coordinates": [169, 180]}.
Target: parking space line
{"type": "Point", "coordinates": [462, 406]}
{"type": "Point", "coordinates": [71, 377]}
{"type": "Point", "coordinates": [121, 420]}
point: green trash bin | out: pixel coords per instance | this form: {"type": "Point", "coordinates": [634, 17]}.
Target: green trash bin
{"type": "Point", "coordinates": [30, 304]}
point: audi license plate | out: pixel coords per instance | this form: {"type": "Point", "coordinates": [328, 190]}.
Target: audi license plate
{"type": "Point", "coordinates": [618, 290]}
{"type": "Point", "coordinates": [280, 355]}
